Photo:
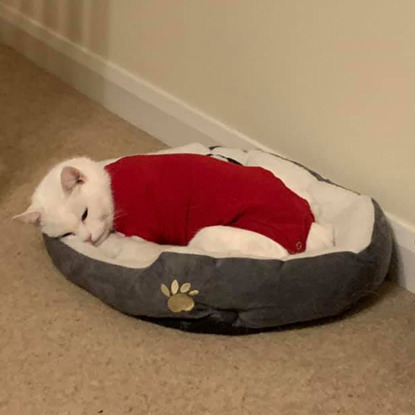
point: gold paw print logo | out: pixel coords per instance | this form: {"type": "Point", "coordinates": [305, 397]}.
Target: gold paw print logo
{"type": "Point", "coordinates": [180, 297]}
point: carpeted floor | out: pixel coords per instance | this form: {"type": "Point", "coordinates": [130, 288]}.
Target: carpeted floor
{"type": "Point", "coordinates": [64, 352]}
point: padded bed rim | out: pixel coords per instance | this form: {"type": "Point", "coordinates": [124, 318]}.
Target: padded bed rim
{"type": "Point", "coordinates": [344, 288]}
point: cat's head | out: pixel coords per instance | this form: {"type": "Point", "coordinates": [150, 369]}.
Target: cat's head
{"type": "Point", "coordinates": [73, 199]}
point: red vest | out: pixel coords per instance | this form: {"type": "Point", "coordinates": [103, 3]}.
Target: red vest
{"type": "Point", "coordinates": [167, 199]}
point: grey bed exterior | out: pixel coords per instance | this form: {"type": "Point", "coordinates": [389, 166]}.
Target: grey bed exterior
{"type": "Point", "coordinates": [233, 295]}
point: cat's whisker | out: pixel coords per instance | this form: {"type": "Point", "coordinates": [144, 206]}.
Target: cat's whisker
{"type": "Point", "coordinates": [119, 214]}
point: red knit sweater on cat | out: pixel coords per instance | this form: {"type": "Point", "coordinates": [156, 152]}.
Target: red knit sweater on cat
{"type": "Point", "coordinates": [167, 199]}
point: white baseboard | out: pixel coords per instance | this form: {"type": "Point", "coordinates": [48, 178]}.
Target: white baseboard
{"type": "Point", "coordinates": [148, 107]}
{"type": "Point", "coordinates": [404, 235]}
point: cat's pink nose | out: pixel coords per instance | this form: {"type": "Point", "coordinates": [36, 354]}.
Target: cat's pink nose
{"type": "Point", "coordinates": [89, 239]}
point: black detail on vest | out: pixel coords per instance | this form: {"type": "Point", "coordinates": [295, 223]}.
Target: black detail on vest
{"type": "Point", "coordinates": [230, 160]}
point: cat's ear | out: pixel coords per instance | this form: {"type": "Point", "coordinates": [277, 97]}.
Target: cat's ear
{"type": "Point", "coordinates": [70, 177]}
{"type": "Point", "coordinates": [30, 216]}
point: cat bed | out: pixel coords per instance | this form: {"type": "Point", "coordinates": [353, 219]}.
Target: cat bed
{"type": "Point", "coordinates": [201, 292]}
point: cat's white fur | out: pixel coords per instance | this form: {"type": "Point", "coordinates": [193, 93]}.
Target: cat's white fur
{"type": "Point", "coordinates": [71, 187]}
{"type": "Point", "coordinates": [61, 198]}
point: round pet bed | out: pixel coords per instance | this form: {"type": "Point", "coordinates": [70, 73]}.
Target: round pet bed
{"type": "Point", "coordinates": [199, 292]}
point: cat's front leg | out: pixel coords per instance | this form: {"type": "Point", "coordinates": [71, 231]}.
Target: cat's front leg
{"type": "Point", "coordinates": [236, 242]}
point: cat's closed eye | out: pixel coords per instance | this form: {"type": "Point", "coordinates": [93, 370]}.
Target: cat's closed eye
{"type": "Point", "coordinates": [85, 215]}
{"type": "Point", "coordinates": [65, 235]}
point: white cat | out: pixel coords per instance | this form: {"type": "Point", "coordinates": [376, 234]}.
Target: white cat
{"type": "Point", "coordinates": [74, 200]}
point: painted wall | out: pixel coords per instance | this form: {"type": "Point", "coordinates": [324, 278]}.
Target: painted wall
{"type": "Point", "coordinates": [328, 83]}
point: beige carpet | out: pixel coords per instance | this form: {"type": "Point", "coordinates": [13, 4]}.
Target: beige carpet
{"type": "Point", "coordinates": [64, 352]}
